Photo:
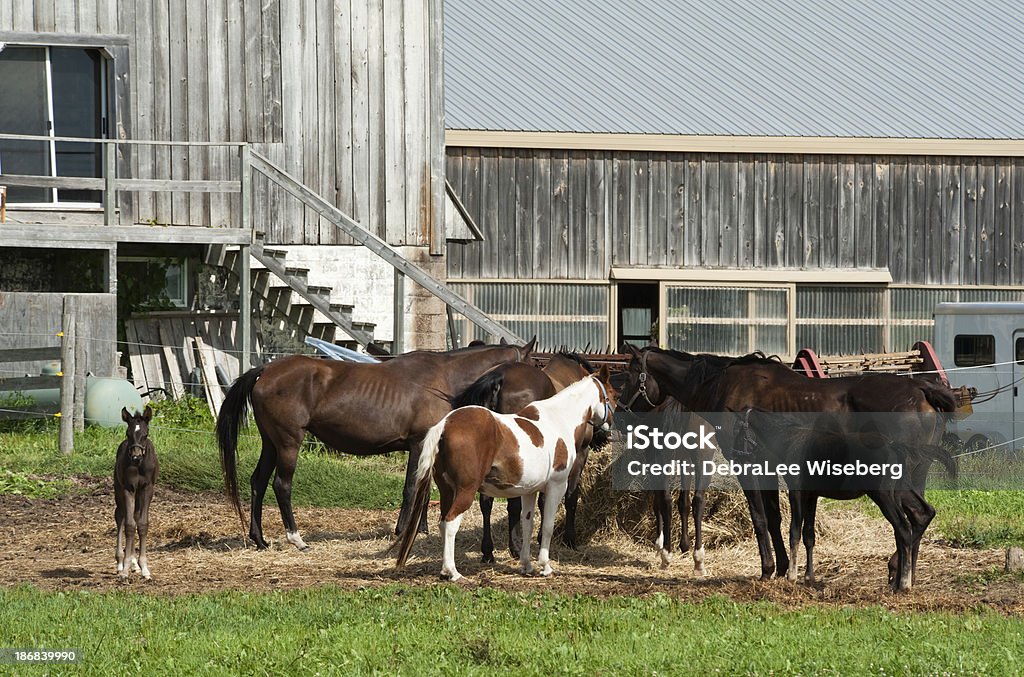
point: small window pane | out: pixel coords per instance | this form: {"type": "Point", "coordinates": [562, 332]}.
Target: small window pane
{"type": "Point", "coordinates": [23, 110]}
{"type": "Point", "coordinates": [974, 350]}
{"type": "Point", "coordinates": [1018, 350]}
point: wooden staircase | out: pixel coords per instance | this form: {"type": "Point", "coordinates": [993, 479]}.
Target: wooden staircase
{"type": "Point", "coordinates": [283, 294]}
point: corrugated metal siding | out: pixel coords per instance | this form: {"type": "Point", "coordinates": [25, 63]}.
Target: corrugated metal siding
{"type": "Point", "coordinates": [924, 69]}
{"type": "Point", "coordinates": [561, 315]}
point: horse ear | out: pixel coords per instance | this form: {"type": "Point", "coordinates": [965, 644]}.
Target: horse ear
{"type": "Point", "coordinates": [502, 342]}
{"type": "Point", "coordinates": [147, 415]}
{"type": "Point", "coordinates": [604, 374]}
{"type": "Point", "coordinates": [124, 414]}
{"type": "Point", "coordinates": [528, 348]}
{"type": "Point", "coordinates": [632, 350]}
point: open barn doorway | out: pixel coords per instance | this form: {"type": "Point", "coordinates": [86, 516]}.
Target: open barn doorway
{"type": "Point", "coordinates": [637, 313]}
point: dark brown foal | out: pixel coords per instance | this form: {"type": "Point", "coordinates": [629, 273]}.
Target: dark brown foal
{"type": "Point", "coordinates": [135, 473]}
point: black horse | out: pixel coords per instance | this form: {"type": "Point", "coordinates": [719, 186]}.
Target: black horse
{"type": "Point", "coordinates": [845, 457]}
{"type": "Point", "coordinates": [715, 383]}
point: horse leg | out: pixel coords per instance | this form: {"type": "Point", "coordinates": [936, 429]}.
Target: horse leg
{"type": "Point", "coordinates": [547, 527]}
{"type": "Point", "coordinates": [486, 543]}
{"type": "Point", "coordinates": [129, 531]}
{"type": "Point", "coordinates": [286, 462]}
{"type": "Point", "coordinates": [540, 509]}
{"type": "Point", "coordinates": [515, 526]}
{"type": "Point", "coordinates": [920, 513]}
{"type": "Point", "coordinates": [142, 519]}
{"type": "Point", "coordinates": [572, 499]}
{"type": "Point", "coordinates": [409, 491]}
{"type": "Point", "coordinates": [454, 502]}
{"type": "Point", "coordinates": [697, 504]}
{"type": "Point", "coordinates": [258, 488]}
{"type": "Point", "coordinates": [900, 579]}
{"type": "Point", "coordinates": [810, 510]}
{"type": "Point", "coordinates": [663, 517]}
{"type": "Point", "coordinates": [755, 504]}
{"type": "Point", "coordinates": [773, 515]}
{"type": "Point", "coordinates": [119, 521]}
{"type": "Point", "coordinates": [797, 500]}
{"type": "Point", "coordinates": [526, 522]}
{"type": "Point", "coordinates": [683, 506]}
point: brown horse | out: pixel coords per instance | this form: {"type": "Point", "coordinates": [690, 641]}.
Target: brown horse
{"type": "Point", "coordinates": [506, 389]}
{"type": "Point", "coordinates": [714, 383]}
{"type": "Point", "coordinates": [474, 449]}
{"type": "Point", "coordinates": [135, 471]}
{"type": "Point", "coordinates": [361, 409]}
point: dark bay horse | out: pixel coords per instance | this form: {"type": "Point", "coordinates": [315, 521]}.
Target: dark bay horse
{"type": "Point", "coordinates": [135, 471]}
{"type": "Point", "coordinates": [506, 389]}
{"type": "Point", "coordinates": [897, 488]}
{"type": "Point", "coordinates": [361, 409]}
{"type": "Point", "coordinates": [675, 417]}
{"type": "Point", "coordinates": [474, 449]}
{"type": "Point", "coordinates": [715, 383]}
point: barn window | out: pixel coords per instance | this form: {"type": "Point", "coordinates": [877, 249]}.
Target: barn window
{"type": "Point", "coordinates": [974, 350]}
{"type": "Point", "coordinates": [54, 92]}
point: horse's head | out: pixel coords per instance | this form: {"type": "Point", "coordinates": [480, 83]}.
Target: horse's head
{"type": "Point", "coordinates": [640, 391]}
{"type": "Point", "coordinates": [608, 400]}
{"type": "Point", "coordinates": [138, 432]}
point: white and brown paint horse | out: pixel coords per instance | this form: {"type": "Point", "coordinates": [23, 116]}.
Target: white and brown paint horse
{"type": "Point", "coordinates": [474, 449]}
{"type": "Point", "coordinates": [135, 471]}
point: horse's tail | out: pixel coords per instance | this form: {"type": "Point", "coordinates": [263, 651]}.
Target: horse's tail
{"type": "Point", "coordinates": [233, 413]}
{"type": "Point", "coordinates": [419, 502]}
{"type": "Point", "coordinates": [936, 452]}
{"type": "Point", "coordinates": [483, 392]}
{"type": "Point", "coordinates": [940, 396]}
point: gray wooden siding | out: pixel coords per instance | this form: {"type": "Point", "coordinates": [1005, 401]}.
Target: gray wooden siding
{"type": "Point", "coordinates": [550, 214]}
{"type": "Point", "coordinates": [338, 92]}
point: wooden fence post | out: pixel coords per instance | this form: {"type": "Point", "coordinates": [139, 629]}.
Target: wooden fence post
{"type": "Point", "coordinates": [67, 381]}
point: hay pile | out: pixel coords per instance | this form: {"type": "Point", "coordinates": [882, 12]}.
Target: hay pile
{"type": "Point", "coordinates": [604, 510]}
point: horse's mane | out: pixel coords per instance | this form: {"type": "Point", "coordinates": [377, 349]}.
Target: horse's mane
{"type": "Point", "coordinates": [482, 392]}
{"type": "Point", "coordinates": [579, 359]}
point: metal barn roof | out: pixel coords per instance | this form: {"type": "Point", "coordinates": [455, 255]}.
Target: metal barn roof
{"type": "Point", "coordinates": [875, 68]}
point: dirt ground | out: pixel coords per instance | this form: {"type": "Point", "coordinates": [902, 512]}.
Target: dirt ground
{"type": "Point", "coordinates": [68, 544]}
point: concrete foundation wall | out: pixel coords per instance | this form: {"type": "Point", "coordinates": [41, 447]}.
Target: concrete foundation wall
{"type": "Point", "coordinates": [358, 277]}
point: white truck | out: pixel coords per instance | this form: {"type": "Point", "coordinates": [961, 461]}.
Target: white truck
{"type": "Point", "coordinates": [982, 345]}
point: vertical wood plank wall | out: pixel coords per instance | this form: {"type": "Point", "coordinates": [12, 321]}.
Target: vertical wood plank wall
{"type": "Point", "coordinates": [339, 92]}
{"type": "Point", "coordinates": [553, 214]}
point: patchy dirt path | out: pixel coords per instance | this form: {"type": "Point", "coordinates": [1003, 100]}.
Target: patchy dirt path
{"type": "Point", "coordinates": [68, 544]}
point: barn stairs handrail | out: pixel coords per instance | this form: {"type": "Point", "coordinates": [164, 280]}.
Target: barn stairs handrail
{"type": "Point", "coordinates": [379, 247]}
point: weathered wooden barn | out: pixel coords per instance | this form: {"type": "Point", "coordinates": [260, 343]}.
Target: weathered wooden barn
{"type": "Point", "coordinates": [308, 135]}
{"type": "Point", "coordinates": [631, 172]}
{"type": "Point", "coordinates": [728, 178]}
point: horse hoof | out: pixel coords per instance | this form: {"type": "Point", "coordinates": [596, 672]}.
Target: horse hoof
{"type": "Point", "coordinates": [305, 548]}
{"type": "Point", "coordinates": [487, 558]}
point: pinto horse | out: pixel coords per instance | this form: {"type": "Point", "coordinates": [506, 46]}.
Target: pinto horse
{"type": "Point", "coordinates": [474, 449]}
{"type": "Point", "coordinates": [806, 440]}
{"type": "Point", "coordinates": [361, 409]}
{"type": "Point", "coordinates": [715, 383]}
{"type": "Point", "coordinates": [135, 471]}
{"type": "Point", "coordinates": [506, 389]}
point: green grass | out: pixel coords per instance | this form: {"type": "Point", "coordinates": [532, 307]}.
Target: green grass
{"type": "Point", "coordinates": [446, 630]}
{"type": "Point", "coordinates": [190, 461]}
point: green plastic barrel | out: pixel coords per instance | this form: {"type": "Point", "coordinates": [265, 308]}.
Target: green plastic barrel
{"type": "Point", "coordinates": [104, 398]}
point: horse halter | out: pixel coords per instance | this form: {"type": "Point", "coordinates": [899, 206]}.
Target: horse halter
{"type": "Point", "coordinates": [607, 407]}
{"type": "Point", "coordinates": [642, 388]}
